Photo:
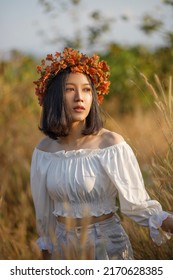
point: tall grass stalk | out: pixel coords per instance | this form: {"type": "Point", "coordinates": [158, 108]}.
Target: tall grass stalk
{"type": "Point", "coordinates": [162, 166]}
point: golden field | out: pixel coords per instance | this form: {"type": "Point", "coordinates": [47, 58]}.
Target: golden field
{"type": "Point", "coordinates": [150, 134]}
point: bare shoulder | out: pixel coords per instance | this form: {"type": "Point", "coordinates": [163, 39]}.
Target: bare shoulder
{"type": "Point", "coordinates": [110, 138]}
{"type": "Point", "coordinates": [45, 144]}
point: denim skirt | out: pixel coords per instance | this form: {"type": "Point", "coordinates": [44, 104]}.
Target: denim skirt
{"type": "Point", "coordinates": [106, 240]}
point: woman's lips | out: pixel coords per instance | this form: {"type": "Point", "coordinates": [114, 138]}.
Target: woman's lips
{"type": "Point", "coordinates": [79, 109]}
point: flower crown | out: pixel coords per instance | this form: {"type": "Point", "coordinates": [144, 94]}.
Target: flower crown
{"type": "Point", "coordinates": [97, 70]}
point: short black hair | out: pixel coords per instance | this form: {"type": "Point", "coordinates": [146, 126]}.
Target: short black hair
{"type": "Point", "coordinates": [55, 121]}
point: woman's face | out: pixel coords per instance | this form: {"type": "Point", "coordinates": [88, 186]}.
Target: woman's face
{"type": "Point", "coordinates": [78, 96]}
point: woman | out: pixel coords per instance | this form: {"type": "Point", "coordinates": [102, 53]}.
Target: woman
{"type": "Point", "coordinates": [80, 168]}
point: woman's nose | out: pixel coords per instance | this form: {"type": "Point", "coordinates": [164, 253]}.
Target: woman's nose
{"type": "Point", "coordinates": [78, 95]}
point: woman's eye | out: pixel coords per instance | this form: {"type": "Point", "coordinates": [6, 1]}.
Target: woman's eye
{"type": "Point", "coordinates": [87, 89]}
{"type": "Point", "coordinates": [69, 89]}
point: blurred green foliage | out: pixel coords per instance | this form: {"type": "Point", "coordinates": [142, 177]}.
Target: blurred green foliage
{"type": "Point", "coordinates": [126, 64]}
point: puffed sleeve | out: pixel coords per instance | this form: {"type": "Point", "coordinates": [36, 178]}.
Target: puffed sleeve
{"type": "Point", "coordinates": [123, 169]}
{"type": "Point", "coordinates": [45, 220]}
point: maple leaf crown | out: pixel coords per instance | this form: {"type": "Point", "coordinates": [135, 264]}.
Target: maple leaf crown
{"type": "Point", "coordinates": [97, 70]}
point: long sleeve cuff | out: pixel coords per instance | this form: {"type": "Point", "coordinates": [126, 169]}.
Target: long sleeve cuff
{"type": "Point", "coordinates": [45, 243]}
{"type": "Point", "coordinates": [157, 234]}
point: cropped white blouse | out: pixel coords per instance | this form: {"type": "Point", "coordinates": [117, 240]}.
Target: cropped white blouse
{"type": "Point", "coordinates": [86, 182]}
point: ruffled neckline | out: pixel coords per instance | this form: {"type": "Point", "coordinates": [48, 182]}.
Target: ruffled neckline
{"type": "Point", "coordinates": [81, 152]}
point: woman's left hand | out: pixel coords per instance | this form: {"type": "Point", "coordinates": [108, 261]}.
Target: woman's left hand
{"type": "Point", "coordinates": [167, 224]}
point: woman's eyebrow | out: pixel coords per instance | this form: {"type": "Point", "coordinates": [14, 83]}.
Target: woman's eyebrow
{"type": "Point", "coordinates": [86, 84]}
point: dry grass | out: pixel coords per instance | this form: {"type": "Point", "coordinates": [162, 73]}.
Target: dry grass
{"type": "Point", "coordinates": [150, 135]}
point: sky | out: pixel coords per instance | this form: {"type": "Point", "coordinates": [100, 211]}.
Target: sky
{"type": "Point", "coordinates": [24, 23]}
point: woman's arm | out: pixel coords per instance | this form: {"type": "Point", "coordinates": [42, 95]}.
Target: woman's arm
{"type": "Point", "coordinates": [44, 206]}
{"type": "Point", "coordinates": [123, 169]}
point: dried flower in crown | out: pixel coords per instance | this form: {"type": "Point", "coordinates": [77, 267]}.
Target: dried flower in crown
{"type": "Point", "coordinates": [77, 62]}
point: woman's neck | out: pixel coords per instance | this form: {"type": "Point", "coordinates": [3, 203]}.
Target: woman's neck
{"type": "Point", "coordinates": [75, 136]}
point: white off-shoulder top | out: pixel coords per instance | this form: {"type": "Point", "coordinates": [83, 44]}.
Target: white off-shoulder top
{"type": "Point", "coordinates": [86, 182]}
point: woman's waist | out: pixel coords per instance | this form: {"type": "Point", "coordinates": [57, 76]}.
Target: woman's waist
{"type": "Point", "coordinates": [85, 221]}
{"type": "Point", "coordinates": [80, 210]}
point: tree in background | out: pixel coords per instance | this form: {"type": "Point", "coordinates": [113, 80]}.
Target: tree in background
{"type": "Point", "coordinates": [93, 33]}
{"type": "Point", "coordinates": [151, 24]}
{"type": "Point", "coordinates": [83, 36]}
